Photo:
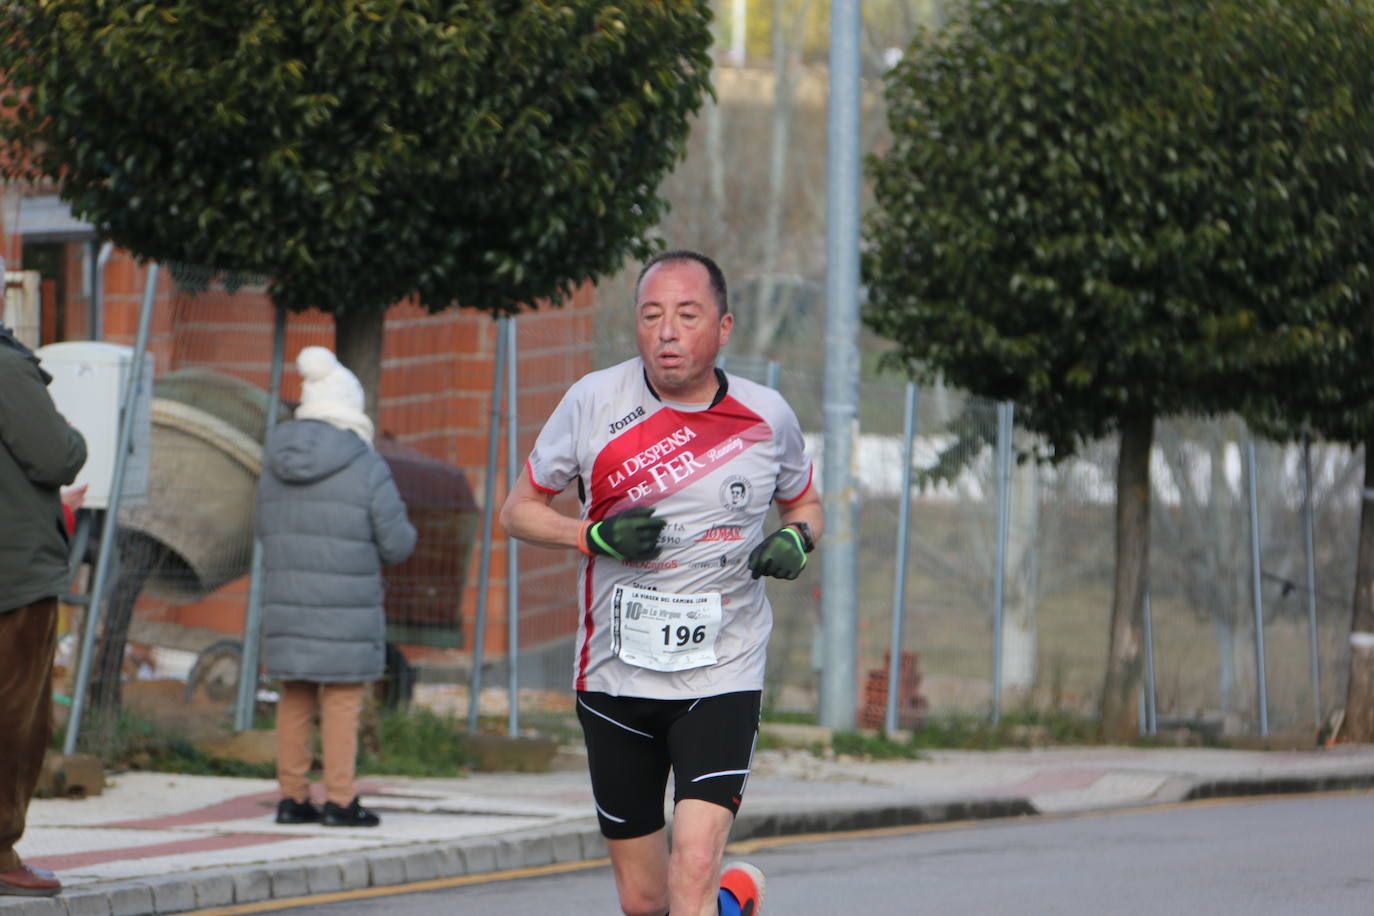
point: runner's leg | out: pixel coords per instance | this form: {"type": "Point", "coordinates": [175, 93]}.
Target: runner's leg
{"type": "Point", "coordinates": [700, 830]}
{"type": "Point", "coordinates": [641, 873]}
{"type": "Point", "coordinates": [712, 747]}
{"type": "Point", "coordinates": [627, 757]}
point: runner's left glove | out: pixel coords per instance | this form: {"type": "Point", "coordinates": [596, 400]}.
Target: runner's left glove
{"type": "Point", "coordinates": [781, 555]}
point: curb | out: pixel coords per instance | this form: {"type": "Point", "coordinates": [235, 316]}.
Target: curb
{"type": "Point", "coordinates": [1278, 785]}
{"type": "Point", "coordinates": [387, 866]}
{"type": "Point", "coordinates": [836, 819]}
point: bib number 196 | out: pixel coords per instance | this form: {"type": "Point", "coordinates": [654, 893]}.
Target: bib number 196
{"type": "Point", "coordinates": [664, 631]}
{"type": "Point", "coordinates": [682, 635]}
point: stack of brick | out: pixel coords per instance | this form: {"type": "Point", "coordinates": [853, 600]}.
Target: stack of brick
{"type": "Point", "coordinates": [911, 706]}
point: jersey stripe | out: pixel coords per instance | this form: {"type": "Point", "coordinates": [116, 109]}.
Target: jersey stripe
{"type": "Point", "coordinates": [588, 625]}
{"type": "Point", "coordinates": [809, 475]}
{"type": "Point", "coordinates": [529, 471]}
{"type": "Point", "coordinates": [667, 451]}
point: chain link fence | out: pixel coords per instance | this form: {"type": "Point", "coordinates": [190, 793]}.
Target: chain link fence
{"type": "Point", "coordinates": [179, 585]}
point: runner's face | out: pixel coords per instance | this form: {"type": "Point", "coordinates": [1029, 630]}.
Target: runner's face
{"type": "Point", "coordinates": [680, 330]}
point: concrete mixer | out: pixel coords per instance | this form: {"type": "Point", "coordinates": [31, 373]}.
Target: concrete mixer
{"type": "Point", "coordinates": [204, 460]}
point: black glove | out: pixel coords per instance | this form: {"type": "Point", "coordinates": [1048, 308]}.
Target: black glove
{"type": "Point", "coordinates": [628, 535]}
{"type": "Point", "coordinates": [781, 555]}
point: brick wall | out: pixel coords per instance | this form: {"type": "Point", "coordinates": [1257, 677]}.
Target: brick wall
{"type": "Point", "coordinates": [435, 397]}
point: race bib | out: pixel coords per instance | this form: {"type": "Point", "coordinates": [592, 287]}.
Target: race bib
{"type": "Point", "coordinates": [664, 631]}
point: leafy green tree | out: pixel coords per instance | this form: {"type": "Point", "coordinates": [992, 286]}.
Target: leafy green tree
{"type": "Point", "coordinates": [486, 153]}
{"type": "Point", "coordinates": [1113, 211]}
{"type": "Point", "coordinates": [1332, 395]}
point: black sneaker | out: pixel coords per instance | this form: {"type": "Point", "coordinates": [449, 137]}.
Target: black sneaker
{"type": "Point", "coordinates": [290, 811]}
{"type": "Point", "coordinates": [355, 815]}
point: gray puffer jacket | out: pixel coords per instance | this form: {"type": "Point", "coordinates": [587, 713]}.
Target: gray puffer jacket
{"type": "Point", "coordinates": [329, 516]}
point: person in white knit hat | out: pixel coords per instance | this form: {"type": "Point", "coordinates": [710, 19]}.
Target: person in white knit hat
{"type": "Point", "coordinates": [328, 515]}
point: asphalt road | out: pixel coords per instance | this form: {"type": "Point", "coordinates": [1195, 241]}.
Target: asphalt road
{"type": "Point", "coordinates": [1285, 855]}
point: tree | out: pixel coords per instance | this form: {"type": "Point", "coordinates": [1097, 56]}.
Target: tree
{"type": "Point", "coordinates": [489, 154]}
{"type": "Point", "coordinates": [1109, 212]}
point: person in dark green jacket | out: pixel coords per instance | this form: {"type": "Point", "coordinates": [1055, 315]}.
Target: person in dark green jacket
{"type": "Point", "coordinates": [39, 454]}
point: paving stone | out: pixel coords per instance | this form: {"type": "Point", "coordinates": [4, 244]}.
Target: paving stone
{"type": "Point", "coordinates": [480, 855]}
{"type": "Point", "coordinates": [175, 894]}
{"type": "Point", "coordinates": [387, 869]}
{"type": "Point", "coordinates": [508, 854]}
{"type": "Point", "coordinates": [356, 873]}
{"type": "Point", "coordinates": [87, 903]}
{"type": "Point", "coordinates": [593, 845]}
{"type": "Point", "coordinates": [567, 846]}
{"type": "Point", "coordinates": [214, 890]}
{"type": "Point", "coordinates": [324, 877]}
{"type": "Point", "coordinates": [288, 881]}
{"type": "Point", "coordinates": [130, 900]}
{"type": "Point", "coordinates": [451, 862]}
{"type": "Point", "coordinates": [533, 850]}
{"type": "Point", "coordinates": [32, 906]}
{"type": "Point", "coordinates": [422, 865]}
{"type": "Point", "coordinates": [252, 885]}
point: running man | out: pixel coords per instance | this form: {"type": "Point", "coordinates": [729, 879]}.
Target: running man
{"type": "Point", "coordinates": [676, 465]}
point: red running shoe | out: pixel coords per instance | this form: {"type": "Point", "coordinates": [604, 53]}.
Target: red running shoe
{"type": "Point", "coordinates": [746, 882]}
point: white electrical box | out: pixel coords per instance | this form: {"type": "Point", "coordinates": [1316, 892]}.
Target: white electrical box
{"type": "Point", "coordinates": [89, 379]}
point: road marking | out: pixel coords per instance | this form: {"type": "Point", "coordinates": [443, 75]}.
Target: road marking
{"type": "Point", "coordinates": [364, 893]}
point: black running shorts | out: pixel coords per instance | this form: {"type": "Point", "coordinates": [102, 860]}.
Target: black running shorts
{"type": "Point", "coordinates": [632, 743]}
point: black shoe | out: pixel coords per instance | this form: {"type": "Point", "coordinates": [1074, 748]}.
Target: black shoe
{"type": "Point", "coordinates": [290, 811]}
{"type": "Point", "coordinates": [355, 815]}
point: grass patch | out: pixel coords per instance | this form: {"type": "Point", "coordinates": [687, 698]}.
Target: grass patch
{"type": "Point", "coordinates": [1017, 728]}
{"type": "Point", "coordinates": [876, 747]}
{"type": "Point", "coordinates": [418, 742]}
{"type": "Point", "coordinates": [132, 742]}
{"type": "Point", "coordinates": [1014, 729]}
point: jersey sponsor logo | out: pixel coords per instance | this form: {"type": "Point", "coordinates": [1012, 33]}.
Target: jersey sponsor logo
{"type": "Point", "coordinates": [652, 564]}
{"type": "Point", "coordinates": [733, 444]}
{"type": "Point", "coordinates": [617, 425]}
{"type": "Point", "coordinates": [717, 563]}
{"type": "Point", "coordinates": [668, 450]}
{"type": "Point", "coordinates": [734, 493]}
{"type": "Point", "coordinates": [721, 533]}
{"type": "Point", "coordinates": [664, 448]}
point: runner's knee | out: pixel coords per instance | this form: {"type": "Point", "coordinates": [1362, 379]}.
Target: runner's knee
{"type": "Point", "coordinates": [643, 902]}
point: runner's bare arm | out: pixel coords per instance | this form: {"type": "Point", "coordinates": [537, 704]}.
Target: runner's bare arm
{"type": "Point", "coordinates": [527, 515]}
{"type": "Point", "coordinates": [806, 508]}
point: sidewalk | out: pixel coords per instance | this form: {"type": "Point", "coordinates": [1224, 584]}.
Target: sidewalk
{"type": "Point", "coordinates": [159, 843]}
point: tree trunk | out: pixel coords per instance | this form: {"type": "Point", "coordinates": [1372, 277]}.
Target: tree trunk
{"type": "Point", "coordinates": [358, 344]}
{"type": "Point", "coordinates": [1359, 699]}
{"type": "Point", "coordinates": [1120, 720]}
{"type": "Point", "coordinates": [134, 558]}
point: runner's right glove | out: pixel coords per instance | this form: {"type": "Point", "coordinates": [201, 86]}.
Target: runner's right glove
{"type": "Point", "coordinates": [629, 535]}
{"type": "Point", "coordinates": [780, 555]}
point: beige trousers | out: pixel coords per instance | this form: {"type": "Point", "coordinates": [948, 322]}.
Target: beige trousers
{"type": "Point", "coordinates": [339, 706]}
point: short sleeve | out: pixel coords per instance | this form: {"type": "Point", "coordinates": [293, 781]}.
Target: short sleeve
{"type": "Point", "coordinates": [794, 464]}
{"type": "Point", "coordinates": [553, 464]}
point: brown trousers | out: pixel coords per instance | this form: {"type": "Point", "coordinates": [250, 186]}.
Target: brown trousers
{"type": "Point", "coordinates": [339, 706]}
{"type": "Point", "coordinates": [28, 638]}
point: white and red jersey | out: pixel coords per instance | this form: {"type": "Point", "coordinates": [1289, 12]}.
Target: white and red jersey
{"type": "Point", "coordinates": [711, 472]}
